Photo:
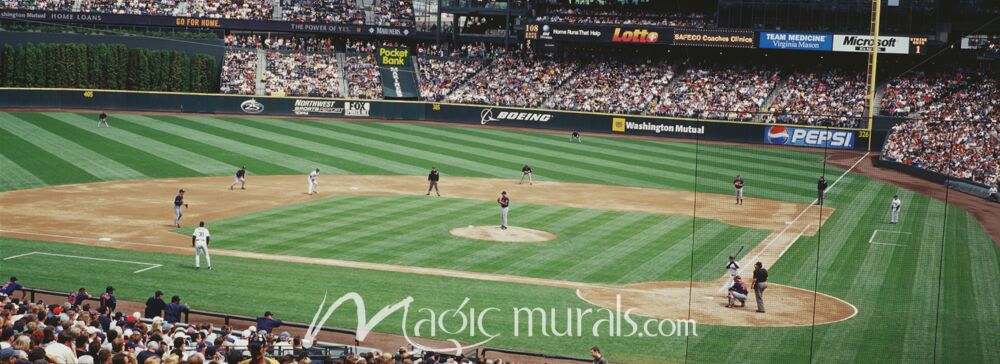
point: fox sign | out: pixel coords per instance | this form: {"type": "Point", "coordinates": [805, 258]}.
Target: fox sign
{"type": "Point", "coordinates": [809, 137]}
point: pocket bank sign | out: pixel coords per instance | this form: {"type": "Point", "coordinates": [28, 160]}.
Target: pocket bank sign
{"type": "Point", "coordinates": [796, 41]}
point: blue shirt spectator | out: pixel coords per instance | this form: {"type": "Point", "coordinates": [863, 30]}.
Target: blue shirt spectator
{"type": "Point", "coordinates": [267, 322]}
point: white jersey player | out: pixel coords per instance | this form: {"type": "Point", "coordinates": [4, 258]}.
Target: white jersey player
{"type": "Point", "coordinates": [894, 209]}
{"type": "Point", "coordinates": [734, 270]}
{"type": "Point", "coordinates": [199, 240]}
{"type": "Point", "coordinates": [313, 181]}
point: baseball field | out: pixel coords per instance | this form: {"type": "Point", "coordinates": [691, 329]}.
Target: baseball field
{"type": "Point", "coordinates": [640, 224]}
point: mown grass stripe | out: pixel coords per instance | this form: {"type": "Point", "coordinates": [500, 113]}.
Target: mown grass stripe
{"type": "Point", "coordinates": [16, 177]}
{"type": "Point", "coordinates": [454, 162]}
{"type": "Point", "coordinates": [545, 161]}
{"type": "Point", "coordinates": [659, 236]}
{"type": "Point", "coordinates": [182, 163]}
{"type": "Point", "coordinates": [594, 255]}
{"type": "Point", "coordinates": [224, 150]}
{"type": "Point", "coordinates": [87, 159]}
{"type": "Point", "coordinates": [579, 228]}
{"type": "Point", "coordinates": [259, 230]}
{"type": "Point", "coordinates": [500, 255]}
{"type": "Point", "coordinates": [310, 154]}
{"type": "Point", "coordinates": [48, 167]}
{"type": "Point", "coordinates": [546, 166]}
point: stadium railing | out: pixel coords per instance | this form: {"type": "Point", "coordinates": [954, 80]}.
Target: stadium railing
{"type": "Point", "coordinates": [536, 355]}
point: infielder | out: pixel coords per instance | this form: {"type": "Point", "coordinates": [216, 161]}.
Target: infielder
{"type": "Point", "coordinates": [738, 184]}
{"type": "Point", "coordinates": [894, 210]}
{"type": "Point", "coordinates": [103, 120]}
{"type": "Point", "coordinates": [178, 202]}
{"type": "Point", "coordinates": [199, 240]}
{"type": "Point", "coordinates": [525, 172]}
{"type": "Point", "coordinates": [734, 270]}
{"type": "Point", "coordinates": [241, 178]}
{"type": "Point", "coordinates": [433, 178]}
{"type": "Point", "coordinates": [821, 189]}
{"type": "Point", "coordinates": [504, 206]}
{"type": "Point", "coordinates": [313, 182]}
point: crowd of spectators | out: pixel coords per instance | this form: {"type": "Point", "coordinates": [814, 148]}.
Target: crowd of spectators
{"type": "Point", "coordinates": [280, 42]}
{"type": "Point", "coordinates": [615, 87]}
{"type": "Point", "coordinates": [731, 92]}
{"type": "Point", "coordinates": [440, 76]}
{"type": "Point", "coordinates": [239, 72]}
{"type": "Point", "coordinates": [393, 13]}
{"type": "Point", "coordinates": [622, 16]}
{"type": "Point", "coordinates": [50, 5]}
{"type": "Point", "coordinates": [86, 329]}
{"type": "Point", "coordinates": [515, 79]}
{"type": "Point", "coordinates": [231, 9]}
{"type": "Point", "coordinates": [834, 98]}
{"type": "Point", "coordinates": [958, 148]}
{"type": "Point", "coordinates": [913, 92]}
{"type": "Point", "coordinates": [129, 7]}
{"type": "Point", "coordinates": [362, 76]}
{"type": "Point", "coordinates": [302, 74]}
{"type": "Point", "coordinates": [466, 50]}
{"type": "Point", "coordinates": [323, 11]}
{"type": "Point", "coordinates": [977, 99]}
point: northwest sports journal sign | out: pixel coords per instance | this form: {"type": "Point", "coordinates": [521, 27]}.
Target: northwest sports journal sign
{"type": "Point", "coordinates": [796, 41]}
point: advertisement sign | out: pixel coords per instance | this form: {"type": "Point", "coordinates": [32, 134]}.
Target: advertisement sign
{"type": "Point", "coordinates": [796, 41]}
{"type": "Point", "coordinates": [360, 109]}
{"type": "Point", "coordinates": [864, 43]}
{"type": "Point", "coordinates": [393, 56]}
{"type": "Point", "coordinates": [732, 38]}
{"type": "Point", "coordinates": [487, 116]}
{"type": "Point", "coordinates": [180, 21]}
{"type": "Point", "coordinates": [598, 33]}
{"type": "Point", "coordinates": [251, 106]}
{"type": "Point", "coordinates": [313, 107]}
{"type": "Point", "coordinates": [399, 81]}
{"type": "Point", "coordinates": [622, 125]}
{"type": "Point", "coordinates": [809, 137]}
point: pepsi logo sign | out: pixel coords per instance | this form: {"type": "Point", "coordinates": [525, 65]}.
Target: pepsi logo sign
{"type": "Point", "coordinates": [810, 137]}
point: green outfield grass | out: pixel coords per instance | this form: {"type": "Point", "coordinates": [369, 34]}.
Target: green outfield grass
{"type": "Point", "coordinates": [893, 280]}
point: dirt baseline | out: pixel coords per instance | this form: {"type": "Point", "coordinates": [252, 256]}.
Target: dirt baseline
{"type": "Point", "coordinates": [137, 215]}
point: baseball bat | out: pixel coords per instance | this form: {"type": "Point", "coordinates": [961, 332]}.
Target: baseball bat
{"type": "Point", "coordinates": [737, 255]}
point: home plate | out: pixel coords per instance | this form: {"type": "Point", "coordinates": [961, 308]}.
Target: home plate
{"type": "Point", "coordinates": [105, 239]}
{"type": "Point", "coordinates": [354, 187]}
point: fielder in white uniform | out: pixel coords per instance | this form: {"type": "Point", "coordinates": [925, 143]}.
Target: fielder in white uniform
{"type": "Point", "coordinates": [199, 240]}
{"type": "Point", "coordinates": [734, 270]}
{"type": "Point", "coordinates": [894, 209]}
{"type": "Point", "coordinates": [313, 181]}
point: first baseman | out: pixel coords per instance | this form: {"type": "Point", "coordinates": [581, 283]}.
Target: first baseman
{"type": "Point", "coordinates": [525, 172]}
{"type": "Point", "coordinates": [241, 178]}
{"type": "Point", "coordinates": [504, 206]}
{"type": "Point", "coordinates": [199, 240]}
{"type": "Point", "coordinates": [894, 209]}
{"type": "Point", "coordinates": [178, 202]}
{"type": "Point", "coordinates": [313, 176]}
{"type": "Point", "coordinates": [103, 120]}
{"type": "Point", "coordinates": [738, 184]}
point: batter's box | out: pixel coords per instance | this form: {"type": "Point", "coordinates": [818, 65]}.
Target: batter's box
{"type": "Point", "coordinates": [148, 265]}
{"type": "Point", "coordinates": [872, 241]}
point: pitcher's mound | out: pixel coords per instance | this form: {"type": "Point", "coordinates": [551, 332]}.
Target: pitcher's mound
{"type": "Point", "coordinates": [512, 234]}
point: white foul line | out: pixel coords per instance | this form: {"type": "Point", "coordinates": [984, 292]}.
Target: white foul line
{"type": "Point", "coordinates": [150, 265]}
{"type": "Point", "coordinates": [871, 240]}
{"type": "Point", "coordinates": [788, 225]}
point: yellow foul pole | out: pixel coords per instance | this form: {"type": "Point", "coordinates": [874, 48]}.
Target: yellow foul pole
{"type": "Point", "coordinates": [872, 65]}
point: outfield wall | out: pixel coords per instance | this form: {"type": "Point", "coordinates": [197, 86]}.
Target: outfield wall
{"type": "Point", "coordinates": [716, 130]}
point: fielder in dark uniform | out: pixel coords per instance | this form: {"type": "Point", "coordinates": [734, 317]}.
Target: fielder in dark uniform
{"type": "Point", "coordinates": [178, 202]}
{"type": "Point", "coordinates": [526, 172]}
{"type": "Point", "coordinates": [504, 206]}
{"type": "Point", "coordinates": [103, 120]}
{"type": "Point", "coordinates": [759, 284]}
{"type": "Point", "coordinates": [575, 137]}
{"type": "Point", "coordinates": [738, 184]}
{"type": "Point", "coordinates": [433, 179]}
{"type": "Point", "coordinates": [241, 178]}
{"type": "Point", "coordinates": [821, 189]}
